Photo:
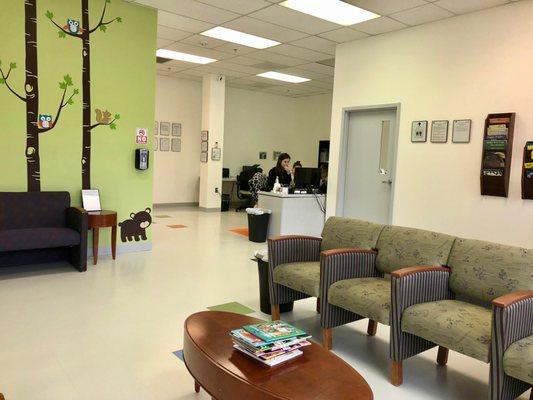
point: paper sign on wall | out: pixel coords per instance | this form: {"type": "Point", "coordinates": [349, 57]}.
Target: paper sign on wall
{"type": "Point", "coordinates": [142, 136]}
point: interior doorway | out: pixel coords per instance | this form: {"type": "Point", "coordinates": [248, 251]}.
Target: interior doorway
{"type": "Point", "coordinates": [367, 164]}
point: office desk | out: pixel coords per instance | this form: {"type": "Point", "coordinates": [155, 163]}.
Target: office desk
{"type": "Point", "coordinates": [294, 214]}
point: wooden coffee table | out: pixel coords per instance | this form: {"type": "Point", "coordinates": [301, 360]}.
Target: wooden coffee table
{"type": "Point", "coordinates": [226, 374]}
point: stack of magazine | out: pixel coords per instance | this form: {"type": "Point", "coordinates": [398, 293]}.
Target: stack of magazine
{"type": "Point", "coordinates": [270, 343]}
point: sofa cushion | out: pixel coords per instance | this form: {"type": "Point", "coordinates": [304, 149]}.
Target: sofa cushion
{"type": "Point", "coordinates": [37, 238]}
{"type": "Point", "coordinates": [301, 276]}
{"type": "Point", "coordinates": [518, 360]}
{"type": "Point", "coordinates": [369, 297]}
{"type": "Point", "coordinates": [485, 270]}
{"type": "Point", "coordinates": [33, 209]}
{"type": "Point", "coordinates": [341, 233]}
{"type": "Point", "coordinates": [454, 324]}
{"type": "Point", "coordinates": [400, 247]}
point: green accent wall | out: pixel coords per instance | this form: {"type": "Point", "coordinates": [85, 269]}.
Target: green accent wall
{"type": "Point", "coordinates": [123, 75]}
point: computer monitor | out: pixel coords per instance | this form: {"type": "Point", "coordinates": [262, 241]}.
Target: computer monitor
{"type": "Point", "coordinates": [307, 178]}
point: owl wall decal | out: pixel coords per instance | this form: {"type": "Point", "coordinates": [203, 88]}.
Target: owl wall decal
{"type": "Point", "coordinates": [73, 27]}
{"type": "Point", "coordinates": [45, 121]}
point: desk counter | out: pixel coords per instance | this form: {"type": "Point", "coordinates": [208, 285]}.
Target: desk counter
{"type": "Point", "coordinates": [294, 214]}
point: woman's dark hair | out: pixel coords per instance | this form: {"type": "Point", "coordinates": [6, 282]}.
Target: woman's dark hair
{"type": "Point", "coordinates": [297, 164]}
{"type": "Point", "coordinates": [281, 157]}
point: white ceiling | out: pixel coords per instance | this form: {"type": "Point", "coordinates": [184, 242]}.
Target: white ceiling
{"type": "Point", "coordinates": [306, 41]}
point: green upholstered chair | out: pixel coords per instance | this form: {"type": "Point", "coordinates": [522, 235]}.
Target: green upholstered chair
{"type": "Point", "coordinates": [295, 261]}
{"type": "Point", "coordinates": [451, 307]}
{"type": "Point", "coordinates": [356, 285]}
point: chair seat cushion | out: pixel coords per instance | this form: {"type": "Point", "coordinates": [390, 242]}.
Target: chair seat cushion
{"type": "Point", "coordinates": [37, 238]}
{"type": "Point", "coordinates": [368, 297]}
{"type": "Point", "coordinates": [518, 360]}
{"type": "Point", "coordinates": [301, 276]}
{"type": "Point", "coordinates": [454, 324]}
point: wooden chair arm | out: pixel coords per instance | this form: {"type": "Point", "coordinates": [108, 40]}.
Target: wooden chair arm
{"type": "Point", "coordinates": [510, 298]}
{"type": "Point", "coordinates": [400, 273]}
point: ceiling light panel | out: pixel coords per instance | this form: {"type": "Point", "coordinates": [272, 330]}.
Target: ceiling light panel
{"type": "Point", "coordinates": [176, 55]}
{"type": "Point", "coordinates": [233, 36]}
{"type": "Point", "coordinates": [335, 11]}
{"type": "Point", "coordinates": [283, 77]}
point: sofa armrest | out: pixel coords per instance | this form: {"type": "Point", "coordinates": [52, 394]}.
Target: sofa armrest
{"type": "Point", "coordinates": [512, 319]}
{"type": "Point", "coordinates": [294, 248]}
{"type": "Point", "coordinates": [77, 219]}
{"type": "Point", "coordinates": [419, 284]}
{"type": "Point", "coordinates": [340, 264]}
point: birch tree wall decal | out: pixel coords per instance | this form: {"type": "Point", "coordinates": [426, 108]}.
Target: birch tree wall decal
{"type": "Point", "coordinates": [84, 34]}
{"type": "Point", "coordinates": [31, 97]}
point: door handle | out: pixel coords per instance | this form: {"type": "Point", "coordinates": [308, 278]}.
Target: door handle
{"type": "Point", "coordinates": [388, 181]}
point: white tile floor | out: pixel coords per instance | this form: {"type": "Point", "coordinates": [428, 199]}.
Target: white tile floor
{"type": "Point", "coordinates": [109, 333]}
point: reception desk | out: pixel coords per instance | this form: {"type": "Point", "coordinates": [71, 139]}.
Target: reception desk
{"type": "Point", "coordinates": [294, 214]}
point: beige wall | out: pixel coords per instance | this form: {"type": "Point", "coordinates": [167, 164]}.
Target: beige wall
{"type": "Point", "coordinates": [176, 175]}
{"type": "Point", "coordinates": [463, 67]}
{"type": "Point", "coordinates": [254, 122]}
{"type": "Point", "coordinates": [265, 122]}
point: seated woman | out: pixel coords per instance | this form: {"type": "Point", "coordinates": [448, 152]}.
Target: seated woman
{"type": "Point", "coordinates": [282, 171]}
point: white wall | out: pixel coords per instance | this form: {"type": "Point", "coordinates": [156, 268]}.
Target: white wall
{"type": "Point", "coordinates": [463, 67]}
{"type": "Point", "coordinates": [176, 175]}
{"type": "Point", "coordinates": [254, 122]}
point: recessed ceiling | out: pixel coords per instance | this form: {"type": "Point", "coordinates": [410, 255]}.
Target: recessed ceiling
{"type": "Point", "coordinates": [307, 46]}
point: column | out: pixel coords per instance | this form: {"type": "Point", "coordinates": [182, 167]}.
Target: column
{"type": "Point", "coordinates": [213, 105]}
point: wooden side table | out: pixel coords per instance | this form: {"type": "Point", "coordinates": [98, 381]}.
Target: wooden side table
{"type": "Point", "coordinates": [103, 219]}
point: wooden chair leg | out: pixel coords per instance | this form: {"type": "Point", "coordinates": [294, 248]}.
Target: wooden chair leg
{"type": "Point", "coordinates": [274, 312]}
{"type": "Point", "coordinates": [327, 338]}
{"type": "Point", "coordinates": [372, 327]}
{"type": "Point", "coordinates": [196, 387]}
{"type": "Point", "coordinates": [318, 305]}
{"type": "Point", "coordinates": [396, 373]}
{"type": "Point", "coordinates": [531, 394]}
{"type": "Point", "coordinates": [442, 355]}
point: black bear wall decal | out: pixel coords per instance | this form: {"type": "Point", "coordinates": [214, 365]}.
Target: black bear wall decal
{"type": "Point", "coordinates": [135, 228]}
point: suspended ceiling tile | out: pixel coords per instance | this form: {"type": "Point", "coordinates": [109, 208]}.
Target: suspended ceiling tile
{"type": "Point", "coordinates": [164, 32]}
{"type": "Point", "coordinates": [198, 51]}
{"type": "Point", "coordinates": [278, 58]}
{"type": "Point", "coordinates": [302, 72]}
{"type": "Point", "coordinates": [386, 7]}
{"type": "Point", "coordinates": [379, 25]}
{"type": "Point", "coordinates": [317, 44]}
{"type": "Point", "coordinates": [299, 52]}
{"type": "Point", "coordinates": [238, 6]}
{"type": "Point", "coordinates": [213, 69]}
{"type": "Point", "coordinates": [462, 6]}
{"type": "Point", "coordinates": [163, 42]}
{"type": "Point", "coordinates": [192, 9]}
{"type": "Point", "coordinates": [245, 60]}
{"type": "Point", "coordinates": [421, 15]}
{"type": "Point", "coordinates": [239, 68]}
{"type": "Point", "coordinates": [321, 69]}
{"type": "Point", "coordinates": [172, 68]}
{"type": "Point", "coordinates": [343, 35]}
{"type": "Point", "coordinates": [235, 49]}
{"type": "Point", "coordinates": [294, 20]}
{"type": "Point", "coordinates": [183, 23]}
{"type": "Point", "coordinates": [203, 41]}
{"type": "Point", "coordinates": [264, 29]}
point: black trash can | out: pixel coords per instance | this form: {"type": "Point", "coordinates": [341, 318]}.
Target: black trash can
{"type": "Point", "coordinates": [224, 202]}
{"type": "Point", "coordinates": [264, 293]}
{"type": "Point", "coordinates": [258, 227]}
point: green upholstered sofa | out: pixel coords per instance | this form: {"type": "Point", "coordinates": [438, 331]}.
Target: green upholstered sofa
{"type": "Point", "coordinates": [440, 293]}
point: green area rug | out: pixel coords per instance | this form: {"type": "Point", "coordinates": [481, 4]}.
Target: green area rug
{"type": "Point", "coordinates": [233, 307]}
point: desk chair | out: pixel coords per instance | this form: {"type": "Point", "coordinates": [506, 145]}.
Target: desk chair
{"type": "Point", "coordinates": [243, 193]}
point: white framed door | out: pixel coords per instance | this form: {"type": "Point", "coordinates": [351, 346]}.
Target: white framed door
{"type": "Point", "coordinates": [368, 160]}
